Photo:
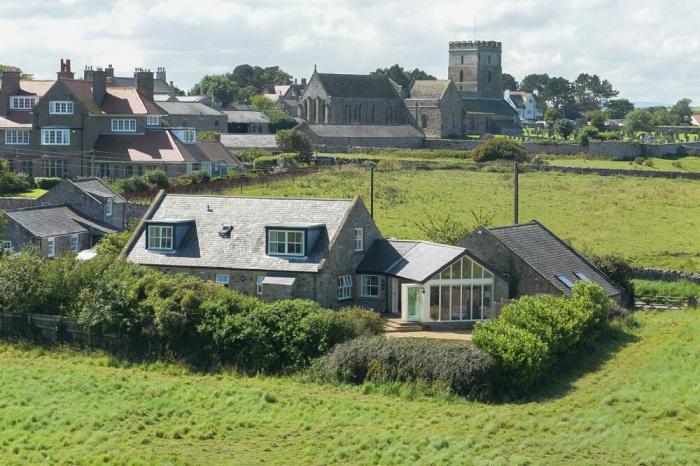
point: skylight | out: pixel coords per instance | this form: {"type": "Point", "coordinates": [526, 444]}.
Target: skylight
{"type": "Point", "coordinates": [565, 280]}
{"type": "Point", "coordinates": [582, 276]}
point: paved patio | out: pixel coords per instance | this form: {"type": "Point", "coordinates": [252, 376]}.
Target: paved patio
{"type": "Point", "coordinates": [465, 335]}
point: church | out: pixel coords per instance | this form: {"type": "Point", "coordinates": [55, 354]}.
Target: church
{"type": "Point", "coordinates": [342, 110]}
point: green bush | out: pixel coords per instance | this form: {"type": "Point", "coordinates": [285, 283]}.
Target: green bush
{"type": "Point", "coordinates": [135, 184]}
{"type": "Point", "coordinates": [157, 178]}
{"type": "Point", "coordinates": [619, 270]}
{"type": "Point", "coordinates": [458, 366]}
{"type": "Point", "coordinates": [21, 290]}
{"type": "Point", "coordinates": [500, 149]}
{"type": "Point", "coordinates": [46, 183]}
{"type": "Point", "coordinates": [534, 332]}
{"type": "Point", "coordinates": [289, 140]}
{"type": "Point", "coordinates": [250, 155]}
{"type": "Point", "coordinates": [587, 133]}
{"type": "Point", "coordinates": [386, 165]}
{"type": "Point", "coordinates": [361, 321]}
{"type": "Point", "coordinates": [267, 163]}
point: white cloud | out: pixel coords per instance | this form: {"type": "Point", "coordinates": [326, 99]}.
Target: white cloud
{"type": "Point", "coordinates": [647, 49]}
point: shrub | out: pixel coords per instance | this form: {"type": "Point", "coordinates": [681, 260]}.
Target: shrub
{"type": "Point", "coordinates": [361, 322]}
{"type": "Point", "coordinates": [269, 162]}
{"type": "Point", "coordinates": [534, 332]}
{"type": "Point", "coordinates": [293, 141]}
{"type": "Point", "coordinates": [587, 133]}
{"type": "Point", "coordinates": [46, 183]}
{"type": "Point", "coordinates": [500, 149]}
{"type": "Point", "coordinates": [386, 165]}
{"type": "Point", "coordinates": [21, 290]}
{"type": "Point", "coordinates": [250, 155]}
{"type": "Point", "coordinates": [134, 184]}
{"type": "Point", "coordinates": [564, 128]}
{"type": "Point", "coordinates": [157, 178]}
{"type": "Point", "coordinates": [459, 366]}
{"type": "Point", "coordinates": [619, 270]}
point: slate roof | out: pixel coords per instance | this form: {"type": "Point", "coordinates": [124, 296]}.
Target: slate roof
{"type": "Point", "coordinates": [82, 90]}
{"type": "Point", "coordinates": [160, 146]}
{"type": "Point", "coordinates": [366, 131]}
{"type": "Point", "coordinates": [95, 187]}
{"type": "Point", "coordinates": [429, 89]}
{"type": "Point", "coordinates": [159, 86]}
{"type": "Point", "coordinates": [249, 141]}
{"type": "Point", "coordinates": [48, 221]}
{"type": "Point", "coordinates": [549, 255]}
{"type": "Point", "coordinates": [123, 101]}
{"type": "Point", "coordinates": [246, 116]}
{"type": "Point", "coordinates": [245, 249]}
{"type": "Point", "coordinates": [497, 107]}
{"type": "Point", "coordinates": [188, 108]}
{"type": "Point", "coordinates": [417, 261]}
{"type": "Point", "coordinates": [367, 86]}
{"type": "Point", "coordinates": [16, 119]}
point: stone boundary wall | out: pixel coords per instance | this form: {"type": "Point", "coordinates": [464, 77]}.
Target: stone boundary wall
{"type": "Point", "coordinates": [644, 273]}
{"type": "Point", "coordinates": [618, 172]}
{"type": "Point", "coordinates": [10, 203]}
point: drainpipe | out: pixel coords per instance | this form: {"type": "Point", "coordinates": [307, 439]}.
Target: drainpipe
{"type": "Point", "coordinates": [515, 192]}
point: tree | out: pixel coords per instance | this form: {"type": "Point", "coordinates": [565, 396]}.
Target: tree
{"type": "Point", "coordinates": [509, 82]}
{"type": "Point", "coordinates": [499, 149]}
{"type": "Point", "coordinates": [278, 119]}
{"type": "Point", "coordinates": [402, 77]}
{"type": "Point", "coordinates": [448, 230]}
{"type": "Point", "coordinates": [618, 108]}
{"type": "Point", "coordinates": [14, 68]}
{"type": "Point", "coordinates": [592, 93]}
{"type": "Point", "coordinates": [551, 115]}
{"type": "Point", "coordinates": [241, 84]}
{"type": "Point", "coordinates": [11, 182]}
{"type": "Point", "coordinates": [293, 141]}
{"type": "Point", "coordinates": [534, 82]}
{"type": "Point", "coordinates": [564, 128]}
{"type": "Point", "coordinates": [638, 120]}
{"type": "Point", "coordinates": [557, 93]}
{"type": "Point", "coordinates": [682, 111]}
{"type": "Point", "coordinates": [596, 118]}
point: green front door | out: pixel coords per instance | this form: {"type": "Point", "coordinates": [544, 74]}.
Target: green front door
{"type": "Point", "coordinates": [414, 303]}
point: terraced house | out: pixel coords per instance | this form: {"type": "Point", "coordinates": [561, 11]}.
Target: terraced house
{"type": "Point", "coordinates": [77, 127]}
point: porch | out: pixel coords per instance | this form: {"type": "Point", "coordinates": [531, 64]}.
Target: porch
{"type": "Point", "coordinates": [397, 328]}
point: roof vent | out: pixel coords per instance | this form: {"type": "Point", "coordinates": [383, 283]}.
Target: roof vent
{"type": "Point", "coordinates": [209, 209]}
{"type": "Point", "coordinates": [225, 231]}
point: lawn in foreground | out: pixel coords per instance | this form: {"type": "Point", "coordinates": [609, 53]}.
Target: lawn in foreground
{"type": "Point", "coordinates": [653, 222]}
{"type": "Point", "coordinates": [641, 405]}
{"type": "Point", "coordinates": [679, 164]}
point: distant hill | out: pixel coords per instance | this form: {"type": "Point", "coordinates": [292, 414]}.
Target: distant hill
{"type": "Point", "coordinates": [651, 104]}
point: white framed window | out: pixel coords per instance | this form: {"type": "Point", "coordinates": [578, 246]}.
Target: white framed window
{"type": "Point", "coordinates": [359, 239]}
{"type": "Point", "coordinates": [189, 136]}
{"type": "Point", "coordinates": [123, 125]}
{"type": "Point", "coordinates": [54, 168]}
{"type": "Point", "coordinates": [109, 207]}
{"type": "Point", "coordinates": [152, 120]}
{"type": "Point", "coordinates": [61, 107]}
{"type": "Point", "coordinates": [51, 247]}
{"type": "Point", "coordinates": [207, 167]}
{"type": "Point", "coordinates": [259, 285]}
{"type": "Point", "coordinates": [160, 237]}
{"type": "Point", "coordinates": [223, 279]}
{"type": "Point", "coordinates": [55, 137]}
{"type": "Point", "coordinates": [22, 102]}
{"type": "Point", "coordinates": [7, 246]}
{"type": "Point", "coordinates": [370, 286]}
{"type": "Point", "coordinates": [75, 243]}
{"type": "Point", "coordinates": [344, 287]}
{"type": "Point", "coordinates": [17, 136]}
{"type": "Point", "coordinates": [285, 243]}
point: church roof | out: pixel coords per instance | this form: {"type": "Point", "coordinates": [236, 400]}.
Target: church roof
{"type": "Point", "coordinates": [498, 107]}
{"type": "Point", "coordinates": [429, 89]}
{"type": "Point", "coordinates": [367, 86]}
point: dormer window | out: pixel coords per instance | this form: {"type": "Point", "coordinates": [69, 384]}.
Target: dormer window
{"type": "Point", "coordinates": [108, 207]}
{"type": "Point", "coordinates": [21, 102]}
{"type": "Point", "coordinates": [61, 107]}
{"type": "Point", "coordinates": [160, 237]}
{"type": "Point", "coordinates": [189, 136]}
{"type": "Point", "coordinates": [285, 243]}
{"type": "Point", "coordinates": [123, 125]}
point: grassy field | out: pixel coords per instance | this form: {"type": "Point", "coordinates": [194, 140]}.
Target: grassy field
{"type": "Point", "coordinates": [681, 164]}
{"type": "Point", "coordinates": [653, 222]}
{"type": "Point", "coordinates": [680, 288]}
{"type": "Point", "coordinates": [31, 194]}
{"type": "Point", "coordinates": [630, 407]}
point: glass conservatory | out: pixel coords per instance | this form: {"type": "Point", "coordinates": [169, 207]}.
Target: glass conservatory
{"type": "Point", "coordinates": [462, 292]}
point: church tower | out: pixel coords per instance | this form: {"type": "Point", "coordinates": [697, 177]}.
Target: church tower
{"type": "Point", "coordinates": [475, 68]}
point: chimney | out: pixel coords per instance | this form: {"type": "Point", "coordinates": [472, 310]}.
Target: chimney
{"type": "Point", "coordinates": [144, 82]}
{"type": "Point", "coordinates": [10, 87]}
{"type": "Point", "coordinates": [160, 74]}
{"type": "Point", "coordinates": [87, 73]}
{"type": "Point", "coordinates": [99, 85]}
{"type": "Point", "coordinates": [65, 72]}
{"type": "Point", "coordinates": [303, 82]}
{"type": "Point", "coordinates": [109, 72]}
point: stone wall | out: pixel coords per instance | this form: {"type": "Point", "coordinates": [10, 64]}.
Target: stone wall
{"type": "Point", "coordinates": [10, 203]}
{"type": "Point", "coordinates": [644, 273]}
{"type": "Point", "coordinates": [620, 172]}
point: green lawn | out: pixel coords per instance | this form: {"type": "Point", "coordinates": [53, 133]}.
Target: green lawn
{"type": "Point", "coordinates": [653, 222]}
{"type": "Point", "coordinates": [682, 164]}
{"type": "Point", "coordinates": [639, 405]}
{"type": "Point", "coordinates": [31, 194]}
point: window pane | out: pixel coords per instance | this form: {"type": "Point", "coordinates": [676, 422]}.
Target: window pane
{"type": "Point", "coordinates": [455, 303]}
{"type": "Point", "coordinates": [487, 301]}
{"type": "Point", "coordinates": [476, 302]}
{"type": "Point", "coordinates": [466, 302]}
{"type": "Point", "coordinates": [444, 303]}
{"type": "Point", "coordinates": [457, 270]}
{"type": "Point", "coordinates": [467, 268]}
{"type": "Point", "coordinates": [477, 271]}
{"type": "Point", "coordinates": [434, 303]}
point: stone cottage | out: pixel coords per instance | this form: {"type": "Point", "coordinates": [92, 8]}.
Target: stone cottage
{"type": "Point", "coordinates": [326, 250]}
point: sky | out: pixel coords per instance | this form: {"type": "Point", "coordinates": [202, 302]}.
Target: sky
{"type": "Point", "coordinates": [648, 49]}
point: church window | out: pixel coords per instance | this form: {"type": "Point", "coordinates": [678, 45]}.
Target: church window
{"type": "Point", "coordinates": [489, 75]}
{"type": "Point", "coordinates": [462, 57]}
{"type": "Point", "coordinates": [461, 75]}
{"type": "Point", "coordinates": [424, 121]}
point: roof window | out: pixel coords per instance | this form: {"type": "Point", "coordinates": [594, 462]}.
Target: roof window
{"type": "Point", "coordinates": [582, 276]}
{"type": "Point", "coordinates": [225, 231]}
{"type": "Point", "coordinates": [565, 280]}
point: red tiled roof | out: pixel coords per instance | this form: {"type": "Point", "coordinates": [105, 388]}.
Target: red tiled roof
{"type": "Point", "coordinates": [82, 90]}
{"type": "Point", "coordinates": [32, 87]}
{"type": "Point", "coordinates": [152, 146]}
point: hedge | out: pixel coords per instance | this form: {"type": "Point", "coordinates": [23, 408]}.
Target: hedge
{"type": "Point", "coordinates": [458, 366]}
{"type": "Point", "coordinates": [533, 333]}
{"type": "Point", "coordinates": [177, 316]}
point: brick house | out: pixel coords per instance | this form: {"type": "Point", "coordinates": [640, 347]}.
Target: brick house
{"type": "Point", "coordinates": [75, 127]}
{"type": "Point", "coordinates": [326, 250]}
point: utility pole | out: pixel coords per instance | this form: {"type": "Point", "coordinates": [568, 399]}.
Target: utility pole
{"type": "Point", "coordinates": [371, 191]}
{"type": "Point", "coordinates": [515, 192]}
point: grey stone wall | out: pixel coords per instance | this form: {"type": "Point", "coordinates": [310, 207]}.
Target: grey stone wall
{"type": "Point", "coordinates": [644, 273]}
{"type": "Point", "coordinates": [9, 203]}
{"type": "Point", "coordinates": [67, 193]}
